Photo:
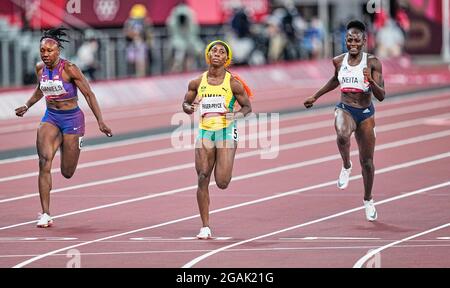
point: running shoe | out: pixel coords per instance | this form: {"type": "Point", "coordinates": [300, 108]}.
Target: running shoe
{"type": "Point", "coordinates": [44, 220]}
{"type": "Point", "coordinates": [344, 177]}
{"type": "Point", "coordinates": [371, 212]}
{"type": "Point", "coordinates": [205, 233]}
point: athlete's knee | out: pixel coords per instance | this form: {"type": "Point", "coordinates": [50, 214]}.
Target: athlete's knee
{"type": "Point", "coordinates": [45, 163]}
{"type": "Point", "coordinates": [223, 183]}
{"type": "Point", "coordinates": [343, 139]}
{"type": "Point", "coordinates": [67, 170]}
{"type": "Point", "coordinates": [367, 164]}
{"type": "Point", "coordinates": [202, 177]}
{"type": "Point", "coordinates": [67, 173]}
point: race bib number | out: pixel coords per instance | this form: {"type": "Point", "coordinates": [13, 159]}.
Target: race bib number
{"type": "Point", "coordinates": [215, 104]}
{"type": "Point", "coordinates": [52, 88]}
{"type": "Point", "coordinates": [235, 134]}
{"type": "Point", "coordinates": [80, 142]}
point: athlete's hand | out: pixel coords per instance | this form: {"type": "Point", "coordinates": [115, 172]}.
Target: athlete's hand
{"type": "Point", "coordinates": [21, 110]}
{"type": "Point", "coordinates": [309, 101]}
{"type": "Point", "coordinates": [190, 108]}
{"type": "Point", "coordinates": [230, 116]}
{"type": "Point", "coordinates": [105, 129]}
{"type": "Point", "coordinates": [367, 75]}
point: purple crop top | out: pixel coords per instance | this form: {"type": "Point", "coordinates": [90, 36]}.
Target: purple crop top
{"type": "Point", "coordinates": [53, 85]}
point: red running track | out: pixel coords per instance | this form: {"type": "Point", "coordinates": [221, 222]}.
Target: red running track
{"type": "Point", "coordinates": [134, 205]}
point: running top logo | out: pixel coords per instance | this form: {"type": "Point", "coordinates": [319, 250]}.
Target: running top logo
{"type": "Point", "coordinates": [106, 10]}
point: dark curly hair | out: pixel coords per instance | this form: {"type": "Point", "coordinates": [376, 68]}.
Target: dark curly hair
{"type": "Point", "coordinates": [356, 24]}
{"type": "Point", "coordinates": [56, 34]}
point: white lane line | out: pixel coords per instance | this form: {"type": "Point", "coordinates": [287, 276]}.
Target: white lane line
{"type": "Point", "coordinates": [32, 240]}
{"type": "Point", "coordinates": [109, 116]}
{"type": "Point", "coordinates": [330, 238]}
{"type": "Point", "coordinates": [283, 131]}
{"type": "Point", "coordinates": [292, 192]}
{"type": "Point", "coordinates": [124, 113]}
{"type": "Point", "coordinates": [162, 136]}
{"type": "Point", "coordinates": [373, 252]}
{"type": "Point", "coordinates": [96, 147]}
{"type": "Point", "coordinates": [385, 113]}
{"type": "Point", "coordinates": [145, 238]}
{"type": "Point", "coordinates": [142, 252]}
{"type": "Point", "coordinates": [165, 151]}
{"type": "Point", "coordinates": [294, 145]}
{"type": "Point", "coordinates": [283, 147]}
{"type": "Point", "coordinates": [262, 173]}
{"type": "Point", "coordinates": [19, 127]}
{"type": "Point", "coordinates": [333, 216]}
{"type": "Point", "coordinates": [28, 123]}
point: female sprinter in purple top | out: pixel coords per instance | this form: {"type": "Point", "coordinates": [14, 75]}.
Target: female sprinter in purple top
{"type": "Point", "coordinates": [63, 123]}
{"type": "Point", "coordinates": [360, 75]}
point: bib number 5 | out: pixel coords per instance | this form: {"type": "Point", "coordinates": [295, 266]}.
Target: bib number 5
{"type": "Point", "coordinates": [235, 134]}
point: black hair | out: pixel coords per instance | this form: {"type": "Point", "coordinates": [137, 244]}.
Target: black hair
{"type": "Point", "coordinates": [356, 24]}
{"type": "Point", "coordinates": [56, 34]}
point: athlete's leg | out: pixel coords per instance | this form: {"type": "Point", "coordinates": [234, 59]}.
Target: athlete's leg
{"type": "Point", "coordinates": [49, 138]}
{"type": "Point", "coordinates": [205, 158]}
{"type": "Point", "coordinates": [365, 137]}
{"type": "Point", "coordinates": [344, 126]}
{"type": "Point", "coordinates": [70, 153]}
{"type": "Point", "coordinates": [225, 153]}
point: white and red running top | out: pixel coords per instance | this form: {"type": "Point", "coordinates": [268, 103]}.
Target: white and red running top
{"type": "Point", "coordinates": [352, 78]}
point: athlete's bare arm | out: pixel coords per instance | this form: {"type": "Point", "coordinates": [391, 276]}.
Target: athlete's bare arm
{"type": "Point", "coordinates": [241, 97]}
{"type": "Point", "coordinates": [374, 75]}
{"type": "Point", "coordinates": [188, 104]}
{"type": "Point", "coordinates": [37, 94]}
{"type": "Point", "coordinates": [81, 82]}
{"type": "Point", "coordinates": [332, 84]}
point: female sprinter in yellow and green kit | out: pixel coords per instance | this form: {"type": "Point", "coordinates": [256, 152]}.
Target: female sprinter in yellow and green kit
{"type": "Point", "coordinates": [217, 91]}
